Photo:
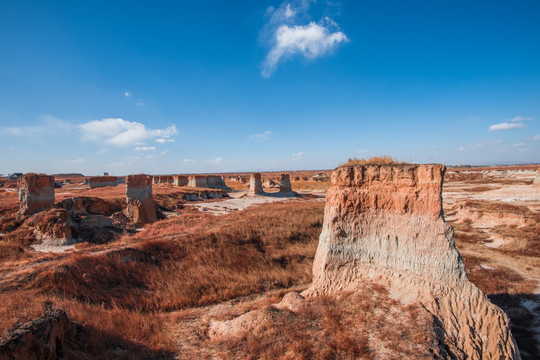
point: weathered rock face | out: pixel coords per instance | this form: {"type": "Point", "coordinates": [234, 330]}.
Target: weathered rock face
{"type": "Point", "coordinates": [385, 224]}
{"type": "Point", "coordinates": [216, 182]}
{"type": "Point", "coordinates": [155, 180]}
{"type": "Point", "coordinates": [198, 181]}
{"type": "Point", "coordinates": [102, 181]}
{"type": "Point", "coordinates": [36, 193]}
{"type": "Point", "coordinates": [180, 180]}
{"type": "Point", "coordinates": [537, 180]}
{"type": "Point", "coordinates": [141, 208]}
{"type": "Point", "coordinates": [81, 205]}
{"type": "Point", "coordinates": [255, 184]}
{"type": "Point", "coordinates": [51, 224]}
{"type": "Point", "coordinates": [44, 338]}
{"type": "Point", "coordinates": [285, 184]}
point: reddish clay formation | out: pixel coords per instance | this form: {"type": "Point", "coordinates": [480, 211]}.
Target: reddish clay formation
{"type": "Point", "coordinates": [285, 184]}
{"type": "Point", "coordinates": [36, 193]}
{"type": "Point", "coordinates": [180, 180]}
{"type": "Point", "coordinates": [102, 181]}
{"type": "Point", "coordinates": [141, 208]}
{"type": "Point", "coordinates": [216, 182]}
{"type": "Point", "coordinates": [198, 181]}
{"type": "Point", "coordinates": [385, 224]}
{"type": "Point", "coordinates": [255, 184]}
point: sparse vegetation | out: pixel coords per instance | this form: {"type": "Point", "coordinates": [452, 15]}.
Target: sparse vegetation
{"type": "Point", "coordinates": [374, 160]}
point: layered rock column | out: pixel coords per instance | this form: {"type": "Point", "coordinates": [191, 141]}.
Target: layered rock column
{"type": "Point", "coordinates": [385, 224]}
{"type": "Point", "coordinates": [102, 181]}
{"type": "Point", "coordinates": [36, 193]}
{"type": "Point", "coordinates": [180, 180]}
{"type": "Point", "coordinates": [141, 208]}
{"type": "Point", "coordinates": [537, 180]}
{"type": "Point", "coordinates": [215, 182]}
{"type": "Point", "coordinates": [285, 184]}
{"type": "Point", "coordinates": [198, 181]}
{"type": "Point", "coordinates": [255, 184]}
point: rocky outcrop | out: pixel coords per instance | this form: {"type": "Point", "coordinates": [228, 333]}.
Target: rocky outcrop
{"type": "Point", "coordinates": [44, 338]}
{"type": "Point", "coordinates": [537, 180]}
{"type": "Point", "coordinates": [180, 180]}
{"type": "Point", "coordinates": [385, 224]}
{"type": "Point", "coordinates": [82, 205]}
{"type": "Point", "coordinates": [36, 193]}
{"type": "Point", "coordinates": [255, 184]}
{"type": "Point", "coordinates": [155, 180]}
{"type": "Point", "coordinates": [51, 224]}
{"type": "Point", "coordinates": [285, 184]}
{"type": "Point", "coordinates": [102, 181]}
{"type": "Point", "coordinates": [141, 208]}
{"type": "Point", "coordinates": [198, 181]}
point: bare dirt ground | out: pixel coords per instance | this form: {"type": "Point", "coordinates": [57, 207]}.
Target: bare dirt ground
{"type": "Point", "coordinates": [155, 294]}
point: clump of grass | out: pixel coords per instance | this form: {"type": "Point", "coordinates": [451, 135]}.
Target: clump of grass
{"type": "Point", "coordinates": [374, 160]}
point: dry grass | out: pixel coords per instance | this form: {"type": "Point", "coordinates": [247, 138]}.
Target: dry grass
{"type": "Point", "coordinates": [299, 185]}
{"type": "Point", "coordinates": [375, 160]}
{"type": "Point", "coordinates": [186, 261]}
{"type": "Point", "coordinates": [365, 324]}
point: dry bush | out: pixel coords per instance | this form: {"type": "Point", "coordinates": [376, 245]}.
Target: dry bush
{"type": "Point", "coordinates": [375, 160]}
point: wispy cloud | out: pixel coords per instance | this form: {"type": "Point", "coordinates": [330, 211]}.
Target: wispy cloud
{"type": "Point", "coordinates": [139, 102]}
{"type": "Point", "coordinates": [482, 144]}
{"type": "Point", "coordinates": [164, 141]}
{"type": "Point", "coordinates": [298, 155]}
{"type": "Point", "coordinates": [145, 148]}
{"type": "Point", "coordinates": [190, 160]}
{"type": "Point", "coordinates": [49, 125]}
{"type": "Point", "coordinates": [506, 126]}
{"type": "Point", "coordinates": [217, 160]}
{"type": "Point", "coordinates": [76, 161]}
{"type": "Point", "coordinates": [127, 94]}
{"type": "Point", "coordinates": [520, 118]}
{"type": "Point", "coordinates": [287, 38]}
{"type": "Point", "coordinates": [121, 133]}
{"type": "Point", "coordinates": [518, 145]}
{"type": "Point", "coordinates": [261, 137]}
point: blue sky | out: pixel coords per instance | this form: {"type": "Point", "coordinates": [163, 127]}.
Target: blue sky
{"type": "Point", "coordinates": [214, 86]}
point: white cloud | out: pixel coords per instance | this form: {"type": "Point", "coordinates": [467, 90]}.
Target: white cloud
{"type": "Point", "coordinates": [289, 12]}
{"type": "Point", "coordinates": [286, 37]}
{"type": "Point", "coordinates": [536, 137]}
{"type": "Point", "coordinates": [149, 157]}
{"type": "Point", "coordinates": [127, 94]}
{"type": "Point", "coordinates": [311, 41]}
{"type": "Point", "coordinates": [145, 148]}
{"type": "Point", "coordinates": [189, 160]}
{"type": "Point", "coordinates": [505, 126]}
{"type": "Point", "coordinates": [461, 148]}
{"type": "Point", "coordinates": [164, 152]}
{"type": "Point", "coordinates": [163, 141]}
{"type": "Point", "coordinates": [518, 145]}
{"type": "Point", "coordinates": [297, 156]}
{"type": "Point", "coordinates": [76, 161]}
{"type": "Point", "coordinates": [520, 118]}
{"type": "Point", "coordinates": [139, 102]}
{"type": "Point", "coordinates": [217, 160]}
{"type": "Point", "coordinates": [120, 132]}
{"type": "Point", "coordinates": [262, 137]}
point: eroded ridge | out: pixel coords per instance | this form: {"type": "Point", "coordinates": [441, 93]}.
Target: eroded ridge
{"type": "Point", "coordinates": [384, 223]}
